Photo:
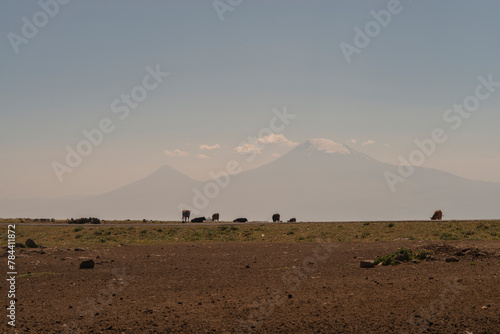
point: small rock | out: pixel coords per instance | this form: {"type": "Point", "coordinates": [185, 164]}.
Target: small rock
{"type": "Point", "coordinates": [247, 266]}
{"type": "Point", "coordinates": [452, 259]}
{"type": "Point", "coordinates": [79, 250]}
{"type": "Point", "coordinates": [31, 244]}
{"type": "Point", "coordinates": [88, 264]}
{"type": "Point", "coordinates": [484, 307]}
{"type": "Point", "coordinates": [290, 296]}
{"type": "Point", "coordinates": [367, 264]}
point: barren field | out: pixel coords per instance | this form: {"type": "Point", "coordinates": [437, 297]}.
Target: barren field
{"type": "Point", "coordinates": [261, 287]}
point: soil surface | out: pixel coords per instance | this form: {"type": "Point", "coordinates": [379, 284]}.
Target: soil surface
{"type": "Point", "coordinates": [255, 287]}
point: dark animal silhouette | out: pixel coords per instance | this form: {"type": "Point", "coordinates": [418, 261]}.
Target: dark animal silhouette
{"type": "Point", "coordinates": [276, 217]}
{"type": "Point", "coordinates": [198, 220]}
{"type": "Point", "coordinates": [90, 220]}
{"type": "Point", "coordinates": [438, 215]}
{"type": "Point", "coordinates": [185, 215]}
{"type": "Point", "coordinates": [292, 220]}
{"type": "Point", "coordinates": [215, 217]}
{"type": "Point", "coordinates": [240, 220]}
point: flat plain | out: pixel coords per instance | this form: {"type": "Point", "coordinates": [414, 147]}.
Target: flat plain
{"type": "Point", "coordinates": [259, 277]}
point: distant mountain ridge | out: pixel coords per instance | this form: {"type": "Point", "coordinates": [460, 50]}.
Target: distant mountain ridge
{"type": "Point", "coordinates": [318, 180]}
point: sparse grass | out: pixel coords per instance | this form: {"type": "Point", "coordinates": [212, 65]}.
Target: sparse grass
{"type": "Point", "coordinates": [469, 233]}
{"type": "Point", "coordinates": [423, 253]}
{"type": "Point", "coordinates": [386, 260]}
{"type": "Point", "coordinates": [448, 236]}
{"type": "Point", "coordinates": [112, 235]}
{"type": "Point", "coordinates": [407, 255]}
{"type": "Point", "coordinates": [482, 226]}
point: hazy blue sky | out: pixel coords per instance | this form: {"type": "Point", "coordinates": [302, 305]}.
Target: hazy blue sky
{"type": "Point", "coordinates": [226, 76]}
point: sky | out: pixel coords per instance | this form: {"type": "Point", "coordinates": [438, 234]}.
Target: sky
{"type": "Point", "coordinates": [194, 84]}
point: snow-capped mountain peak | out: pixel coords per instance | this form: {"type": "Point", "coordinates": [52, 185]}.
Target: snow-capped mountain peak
{"type": "Point", "coordinates": [324, 145]}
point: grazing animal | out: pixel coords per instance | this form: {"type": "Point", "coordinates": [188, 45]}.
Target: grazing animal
{"type": "Point", "coordinates": [240, 220]}
{"type": "Point", "coordinates": [215, 217]}
{"type": "Point", "coordinates": [276, 217]}
{"type": "Point", "coordinates": [198, 220]}
{"type": "Point", "coordinates": [292, 220]}
{"type": "Point", "coordinates": [90, 220]}
{"type": "Point", "coordinates": [185, 215]}
{"type": "Point", "coordinates": [438, 215]}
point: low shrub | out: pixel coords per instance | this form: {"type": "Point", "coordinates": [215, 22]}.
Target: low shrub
{"type": "Point", "coordinates": [407, 254]}
{"type": "Point", "coordinates": [423, 253]}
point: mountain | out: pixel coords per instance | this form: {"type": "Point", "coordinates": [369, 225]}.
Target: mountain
{"type": "Point", "coordinates": [322, 180]}
{"type": "Point", "coordinates": [318, 180]}
{"type": "Point", "coordinates": [157, 196]}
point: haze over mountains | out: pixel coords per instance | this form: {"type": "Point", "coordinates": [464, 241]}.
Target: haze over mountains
{"type": "Point", "coordinates": [318, 180]}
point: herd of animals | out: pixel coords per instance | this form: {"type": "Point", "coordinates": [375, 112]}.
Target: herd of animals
{"type": "Point", "coordinates": [215, 218]}
{"type": "Point", "coordinates": [438, 215]}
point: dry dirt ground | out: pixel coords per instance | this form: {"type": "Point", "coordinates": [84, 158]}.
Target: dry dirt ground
{"type": "Point", "coordinates": [261, 288]}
